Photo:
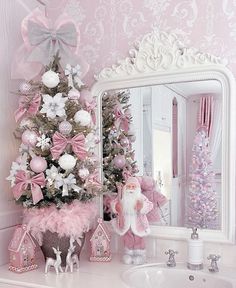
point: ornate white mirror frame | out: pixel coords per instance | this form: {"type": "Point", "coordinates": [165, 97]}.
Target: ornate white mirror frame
{"type": "Point", "coordinates": [160, 58]}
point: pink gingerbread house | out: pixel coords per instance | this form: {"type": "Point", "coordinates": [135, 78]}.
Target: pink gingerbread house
{"type": "Point", "coordinates": [22, 251]}
{"type": "Point", "coordinates": [100, 243]}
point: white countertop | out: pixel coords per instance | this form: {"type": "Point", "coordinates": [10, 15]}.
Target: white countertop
{"type": "Point", "coordinates": [89, 275]}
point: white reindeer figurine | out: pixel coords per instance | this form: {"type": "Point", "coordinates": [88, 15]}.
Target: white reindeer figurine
{"type": "Point", "coordinates": [56, 263]}
{"type": "Point", "coordinates": [71, 258]}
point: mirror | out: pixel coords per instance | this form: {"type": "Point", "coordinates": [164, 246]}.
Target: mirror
{"type": "Point", "coordinates": [172, 89]}
{"type": "Point", "coordinates": [166, 120]}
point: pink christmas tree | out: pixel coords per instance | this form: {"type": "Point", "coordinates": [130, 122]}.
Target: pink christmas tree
{"type": "Point", "coordinates": [118, 154]}
{"type": "Point", "coordinates": [56, 124]}
{"type": "Point", "coordinates": [55, 177]}
{"type": "Point", "coordinates": [201, 208]}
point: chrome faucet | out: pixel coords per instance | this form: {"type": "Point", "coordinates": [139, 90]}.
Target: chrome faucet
{"type": "Point", "coordinates": [214, 258]}
{"type": "Point", "coordinates": [171, 261]}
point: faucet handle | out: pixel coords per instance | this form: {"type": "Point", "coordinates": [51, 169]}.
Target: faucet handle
{"type": "Point", "coordinates": [171, 261]}
{"type": "Point", "coordinates": [213, 266]}
{"type": "Point", "coordinates": [171, 252]}
{"type": "Point", "coordinates": [213, 257]}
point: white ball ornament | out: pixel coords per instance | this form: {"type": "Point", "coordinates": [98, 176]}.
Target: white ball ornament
{"type": "Point", "coordinates": [50, 79]}
{"type": "Point", "coordinates": [83, 117]}
{"type": "Point", "coordinates": [67, 162]}
{"type": "Point", "coordinates": [65, 127]}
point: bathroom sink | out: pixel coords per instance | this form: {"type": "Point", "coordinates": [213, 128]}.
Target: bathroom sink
{"type": "Point", "coordinates": [160, 276]}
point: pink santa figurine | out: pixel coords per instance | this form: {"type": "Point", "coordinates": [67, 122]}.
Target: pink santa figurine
{"type": "Point", "coordinates": [131, 207]}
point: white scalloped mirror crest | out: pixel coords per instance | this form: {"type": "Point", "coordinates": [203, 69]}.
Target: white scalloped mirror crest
{"type": "Point", "coordinates": [161, 59]}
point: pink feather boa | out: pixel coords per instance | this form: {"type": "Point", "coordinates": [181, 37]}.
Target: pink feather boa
{"type": "Point", "coordinates": [70, 220]}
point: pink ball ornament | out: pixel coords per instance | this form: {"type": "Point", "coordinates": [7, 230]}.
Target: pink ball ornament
{"type": "Point", "coordinates": [25, 87]}
{"type": "Point", "coordinates": [74, 94]}
{"type": "Point", "coordinates": [96, 139]}
{"type": "Point", "coordinates": [135, 169]}
{"type": "Point", "coordinates": [26, 123]}
{"type": "Point", "coordinates": [65, 127]}
{"type": "Point", "coordinates": [132, 138]}
{"type": "Point", "coordinates": [124, 142]}
{"type": "Point", "coordinates": [83, 173]}
{"type": "Point", "coordinates": [29, 138]}
{"type": "Point", "coordinates": [38, 164]}
{"type": "Point", "coordinates": [119, 161]}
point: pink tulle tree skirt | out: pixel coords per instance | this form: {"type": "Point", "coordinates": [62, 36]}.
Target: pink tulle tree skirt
{"type": "Point", "coordinates": [53, 227]}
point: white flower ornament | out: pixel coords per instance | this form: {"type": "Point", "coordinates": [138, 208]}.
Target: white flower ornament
{"type": "Point", "coordinates": [54, 106]}
{"type": "Point", "coordinates": [17, 166]}
{"type": "Point", "coordinates": [53, 177]}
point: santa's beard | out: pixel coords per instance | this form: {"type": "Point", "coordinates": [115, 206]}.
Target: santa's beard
{"type": "Point", "coordinates": [129, 200]}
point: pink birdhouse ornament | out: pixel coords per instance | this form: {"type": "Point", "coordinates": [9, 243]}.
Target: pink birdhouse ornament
{"type": "Point", "coordinates": [22, 251]}
{"type": "Point", "coordinates": [100, 243]}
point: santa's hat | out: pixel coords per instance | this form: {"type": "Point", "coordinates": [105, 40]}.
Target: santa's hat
{"type": "Point", "coordinates": [133, 180]}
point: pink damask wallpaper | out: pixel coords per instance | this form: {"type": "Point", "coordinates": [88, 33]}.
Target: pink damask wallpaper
{"type": "Point", "coordinates": [109, 27]}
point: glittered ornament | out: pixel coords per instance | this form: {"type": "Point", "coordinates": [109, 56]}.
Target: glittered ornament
{"type": "Point", "coordinates": [67, 162]}
{"type": "Point", "coordinates": [119, 161]}
{"type": "Point", "coordinates": [50, 79]}
{"type": "Point", "coordinates": [65, 127]}
{"type": "Point", "coordinates": [29, 138]}
{"type": "Point", "coordinates": [38, 164]}
{"type": "Point", "coordinates": [124, 142]}
{"type": "Point", "coordinates": [26, 122]}
{"type": "Point", "coordinates": [74, 94]}
{"type": "Point", "coordinates": [83, 173]}
{"type": "Point", "coordinates": [25, 87]}
{"type": "Point", "coordinates": [83, 117]}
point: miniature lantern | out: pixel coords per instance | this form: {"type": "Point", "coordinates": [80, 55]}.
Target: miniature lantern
{"type": "Point", "coordinates": [100, 243]}
{"type": "Point", "coordinates": [22, 251]}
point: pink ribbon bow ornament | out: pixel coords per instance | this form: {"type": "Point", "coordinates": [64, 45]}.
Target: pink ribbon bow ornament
{"type": "Point", "coordinates": [23, 180]}
{"type": "Point", "coordinates": [60, 142]}
{"type": "Point", "coordinates": [27, 104]}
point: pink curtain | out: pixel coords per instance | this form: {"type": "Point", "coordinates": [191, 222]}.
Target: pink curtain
{"type": "Point", "coordinates": [205, 115]}
{"type": "Point", "coordinates": [175, 137]}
